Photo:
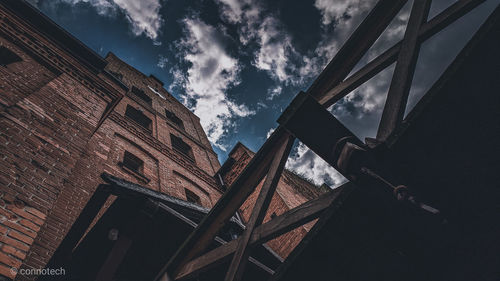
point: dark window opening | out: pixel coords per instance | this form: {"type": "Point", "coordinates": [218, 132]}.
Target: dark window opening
{"type": "Point", "coordinates": [138, 117]}
{"type": "Point", "coordinates": [117, 75]}
{"type": "Point", "coordinates": [172, 117]}
{"type": "Point", "coordinates": [179, 145]}
{"type": "Point", "coordinates": [134, 166]}
{"type": "Point", "coordinates": [7, 56]}
{"type": "Point", "coordinates": [191, 197]}
{"type": "Point", "coordinates": [133, 162]}
{"type": "Point", "coordinates": [140, 94]}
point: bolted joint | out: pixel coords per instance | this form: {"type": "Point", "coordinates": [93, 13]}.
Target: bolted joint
{"type": "Point", "coordinates": [350, 157]}
{"type": "Point", "coordinates": [401, 192]}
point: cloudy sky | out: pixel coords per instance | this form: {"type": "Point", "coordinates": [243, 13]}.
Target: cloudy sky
{"type": "Point", "coordinates": [238, 63]}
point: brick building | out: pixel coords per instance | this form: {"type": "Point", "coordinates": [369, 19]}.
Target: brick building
{"type": "Point", "coordinates": [292, 191]}
{"type": "Point", "coordinates": [68, 115]}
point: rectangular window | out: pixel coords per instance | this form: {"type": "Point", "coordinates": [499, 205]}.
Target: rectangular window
{"type": "Point", "coordinates": [140, 94]}
{"type": "Point", "coordinates": [180, 146]}
{"type": "Point", "coordinates": [138, 117]}
{"type": "Point", "coordinates": [172, 117]}
{"type": "Point", "coordinates": [7, 56]}
{"type": "Point", "coordinates": [133, 162]}
{"type": "Point", "coordinates": [191, 197]}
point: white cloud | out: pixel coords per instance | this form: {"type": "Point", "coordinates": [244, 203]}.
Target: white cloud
{"type": "Point", "coordinates": [270, 132]}
{"type": "Point", "coordinates": [246, 13]}
{"type": "Point", "coordinates": [275, 48]}
{"type": "Point", "coordinates": [144, 15]}
{"type": "Point", "coordinates": [274, 92]}
{"type": "Point", "coordinates": [368, 98]}
{"type": "Point", "coordinates": [211, 72]}
{"type": "Point", "coordinates": [339, 20]}
{"type": "Point", "coordinates": [277, 56]}
{"type": "Point", "coordinates": [261, 105]}
{"type": "Point", "coordinates": [162, 61]}
{"type": "Point", "coordinates": [304, 162]}
{"type": "Point", "coordinates": [333, 11]}
{"type": "Point", "coordinates": [275, 51]}
{"type": "Point", "coordinates": [232, 10]}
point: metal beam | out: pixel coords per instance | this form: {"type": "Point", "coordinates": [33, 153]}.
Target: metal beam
{"type": "Point", "coordinates": [279, 225]}
{"type": "Point", "coordinates": [323, 135]}
{"type": "Point", "coordinates": [228, 204]}
{"type": "Point", "coordinates": [237, 267]}
{"type": "Point", "coordinates": [399, 90]}
{"type": "Point", "coordinates": [336, 71]}
{"type": "Point", "coordinates": [356, 46]}
{"type": "Point", "coordinates": [428, 29]}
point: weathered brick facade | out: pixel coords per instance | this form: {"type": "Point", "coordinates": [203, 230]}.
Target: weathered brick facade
{"type": "Point", "coordinates": [63, 123]}
{"type": "Point", "coordinates": [292, 191]}
{"type": "Point", "coordinates": [67, 115]}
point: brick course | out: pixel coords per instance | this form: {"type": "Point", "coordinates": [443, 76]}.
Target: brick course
{"type": "Point", "coordinates": [291, 192]}
{"type": "Point", "coordinates": [62, 124]}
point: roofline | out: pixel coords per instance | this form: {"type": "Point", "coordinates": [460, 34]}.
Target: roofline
{"type": "Point", "coordinates": [139, 190]}
{"type": "Point", "coordinates": [228, 161]}
{"type": "Point", "coordinates": [157, 79]}
{"type": "Point", "coordinates": [55, 33]}
{"type": "Point", "coordinates": [239, 143]}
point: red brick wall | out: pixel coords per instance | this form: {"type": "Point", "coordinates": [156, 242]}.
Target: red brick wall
{"type": "Point", "coordinates": [175, 171]}
{"type": "Point", "coordinates": [291, 192]}
{"type": "Point", "coordinates": [193, 134]}
{"type": "Point", "coordinates": [20, 79]}
{"type": "Point", "coordinates": [44, 135]}
{"type": "Point", "coordinates": [55, 142]}
{"type": "Point", "coordinates": [49, 108]}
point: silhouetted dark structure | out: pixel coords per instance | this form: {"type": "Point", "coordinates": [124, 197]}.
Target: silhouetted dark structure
{"type": "Point", "coordinates": [422, 201]}
{"type": "Point", "coordinates": [423, 198]}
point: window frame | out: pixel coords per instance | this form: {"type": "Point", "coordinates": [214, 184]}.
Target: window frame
{"type": "Point", "coordinates": [135, 170]}
{"type": "Point", "coordinates": [141, 95]}
{"type": "Point", "coordinates": [176, 141]}
{"type": "Point", "coordinates": [132, 162]}
{"type": "Point", "coordinates": [171, 116]}
{"type": "Point", "coordinates": [133, 114]}
{"type": "Point", "coordinates": [195, 199]}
